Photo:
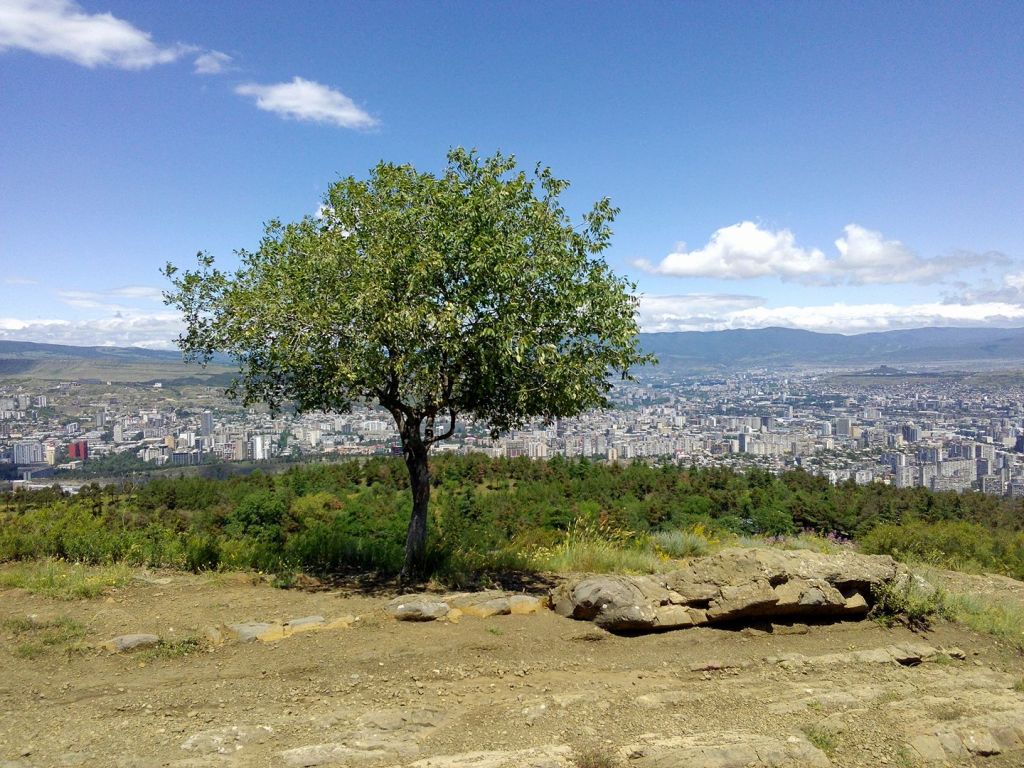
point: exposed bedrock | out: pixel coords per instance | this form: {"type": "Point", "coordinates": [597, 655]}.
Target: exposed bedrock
{"type": "Point", "coordinates": [733, 585]}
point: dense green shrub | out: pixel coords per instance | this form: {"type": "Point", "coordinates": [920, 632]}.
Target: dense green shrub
{"type": "Point", "coordinates": [953, 544]}
{"type": "Point", "coordinates": [353, 514]}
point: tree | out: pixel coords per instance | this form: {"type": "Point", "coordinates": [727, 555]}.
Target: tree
{"type": "Point", "coordinates": [468, 293]}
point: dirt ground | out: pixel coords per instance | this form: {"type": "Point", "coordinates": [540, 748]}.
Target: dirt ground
{"type": "Point", "coordinates": [384, 692]}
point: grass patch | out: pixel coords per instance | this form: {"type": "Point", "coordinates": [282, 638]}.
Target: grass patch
{"type": "Point", "coordinates": [176, 649]}
{"type": "Point", "coordinates": [918, 601]}
{"type": "Point", "coordinates": [948, 712]}
{"type": "Point", "coordinates": [64, 581]}
{"type": "Point", "coordinates": [594, 547]}
{"type": "Point", "coordinates": [826, 544]}
{"type": "Point", "coordinates": [682, 543]}
{"type": "Point", "coordinates": [822, 739]}
{"type": "Point", "coordinates": [904, 759]}
{"type": "Point", "coordinates": [595, 757]}
{"type": "Point", "coordinates": [38, 638]}
{"type": "Point", "coordinates": [887, 697]}
{"type": "Point", "coordinates": [597, 557]}
{"type": "Point", "coordinates": [999, 617]}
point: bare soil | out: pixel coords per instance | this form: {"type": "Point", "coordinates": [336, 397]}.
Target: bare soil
{"type": "Point", "coordinates": [501, 683]}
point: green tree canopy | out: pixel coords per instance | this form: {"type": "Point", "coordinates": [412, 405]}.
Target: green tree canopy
{"type": "Point", "coordinates": [469, 293]}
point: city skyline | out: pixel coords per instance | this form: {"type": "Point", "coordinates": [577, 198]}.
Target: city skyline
{"type": "Point", "coordinates": [829, 168]}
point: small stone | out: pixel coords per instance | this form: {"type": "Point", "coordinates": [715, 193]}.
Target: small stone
{"type": "Point", "coordinates": [524, 604]}
{"type": "Point", "coordinates": [124, 643]}
{"type": "Point", "coordinates": [249, 631]}
{"type": "Point", "coordinates": [214, 635]}
{"type": "Point", "coordinates": [304, 624]}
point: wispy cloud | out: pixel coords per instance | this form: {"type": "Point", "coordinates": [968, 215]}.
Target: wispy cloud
{"type": "Point", "coordinates": [309, 101]}
{"type": "Point", "coordinates": [212, 63]}
{"type": "Point", "coordinates": [113, 300]}
{"type": "Point", "coordinates": [863, 257]}
{"type": "Point", "coordinates": [677, 313]}
{"type": "Point", "coordinates": [15, 280]}
{"type": "Point", "coordinates": [63, 29]}
{"type": "Point", "coordinates": [1010, 289]}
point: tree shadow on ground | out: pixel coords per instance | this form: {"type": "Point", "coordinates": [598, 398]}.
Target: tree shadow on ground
{"type": "Point", "coordinates": [359, 582]}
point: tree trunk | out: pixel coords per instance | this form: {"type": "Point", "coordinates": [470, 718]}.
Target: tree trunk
{"type": "Point", "coordinates": [419, 482]}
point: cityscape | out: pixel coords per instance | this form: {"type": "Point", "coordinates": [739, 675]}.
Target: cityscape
{"type": "Point", "coordinates": [942, 432]}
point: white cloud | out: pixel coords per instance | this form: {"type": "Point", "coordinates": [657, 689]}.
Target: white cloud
{"type": "Point", "coordinates": [674, 313]}
{"type": "Point", "coordinates": [692, 311]}
{"type": "Point", "coordinates": [61, 28]}
{"type": "Point", "coordinates": [130, 315]}
{"type": "Point", "coordinates": [309, 101]}
{"type": "Point", "coordinates": [741, 251]}
{"type": "Point", "coordinates": [212, 63]}
{"type": "Point", "coordinates": [15, 280]}
{"type": "Point", "coordinates": [864, 257]}
{"type": "Point", "coordinates": [155, 331]}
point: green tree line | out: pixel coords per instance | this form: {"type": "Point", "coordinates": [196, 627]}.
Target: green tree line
{"type": "Point", "coordinates": [353, 514]}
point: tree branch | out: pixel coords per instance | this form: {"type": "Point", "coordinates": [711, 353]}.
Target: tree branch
{"type": "Point", "coordinates": [445, 435]}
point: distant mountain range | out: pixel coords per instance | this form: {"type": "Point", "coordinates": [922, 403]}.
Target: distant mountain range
{"type": "Point", "coordinates": [28, 360]}
{"type": "Point", "coordinates": [787, 346]}
{"type": "Point", "coordinates": [767, 347]}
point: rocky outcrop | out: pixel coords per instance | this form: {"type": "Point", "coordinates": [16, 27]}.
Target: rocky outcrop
{"type": "Point", "coordinates": [733, 585]}
{"type": "Point", "coordinates": [390, 734]}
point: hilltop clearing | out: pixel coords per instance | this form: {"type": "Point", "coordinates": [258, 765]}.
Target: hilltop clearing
{"type": "Point", "coordinates": [526, 689]}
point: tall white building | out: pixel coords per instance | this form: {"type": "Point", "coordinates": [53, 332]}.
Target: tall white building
{"type": "Point", "coordinates": [28, 452]}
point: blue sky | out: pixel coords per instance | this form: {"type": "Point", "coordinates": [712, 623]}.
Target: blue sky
{"type": "Point", "coordinates": [832, 166]}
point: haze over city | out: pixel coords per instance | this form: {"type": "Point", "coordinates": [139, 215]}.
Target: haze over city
{"type": "Point", "coordinates": [826, 167]}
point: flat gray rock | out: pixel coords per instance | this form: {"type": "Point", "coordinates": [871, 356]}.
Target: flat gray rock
{"type": "Point", "coordinates": [726, 750]}
{"type": "Point", "coordinates": [250, 631]}
{"type": "Point", "coordinates": [332, 753]}
{"type": "Point", "coordinates": [538, 757]}
{"type": "Point", "coordinates": [226, 740]}
{"type": "Point", "coordinates": [417, 608]}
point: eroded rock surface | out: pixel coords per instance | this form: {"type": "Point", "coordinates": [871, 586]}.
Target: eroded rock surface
{"type": "Point", "coordinates": [733, 585]}
{"type": "Point", "coordinates": [726, 750]}
{"type": "Point", "coordinates": [226, 740]}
